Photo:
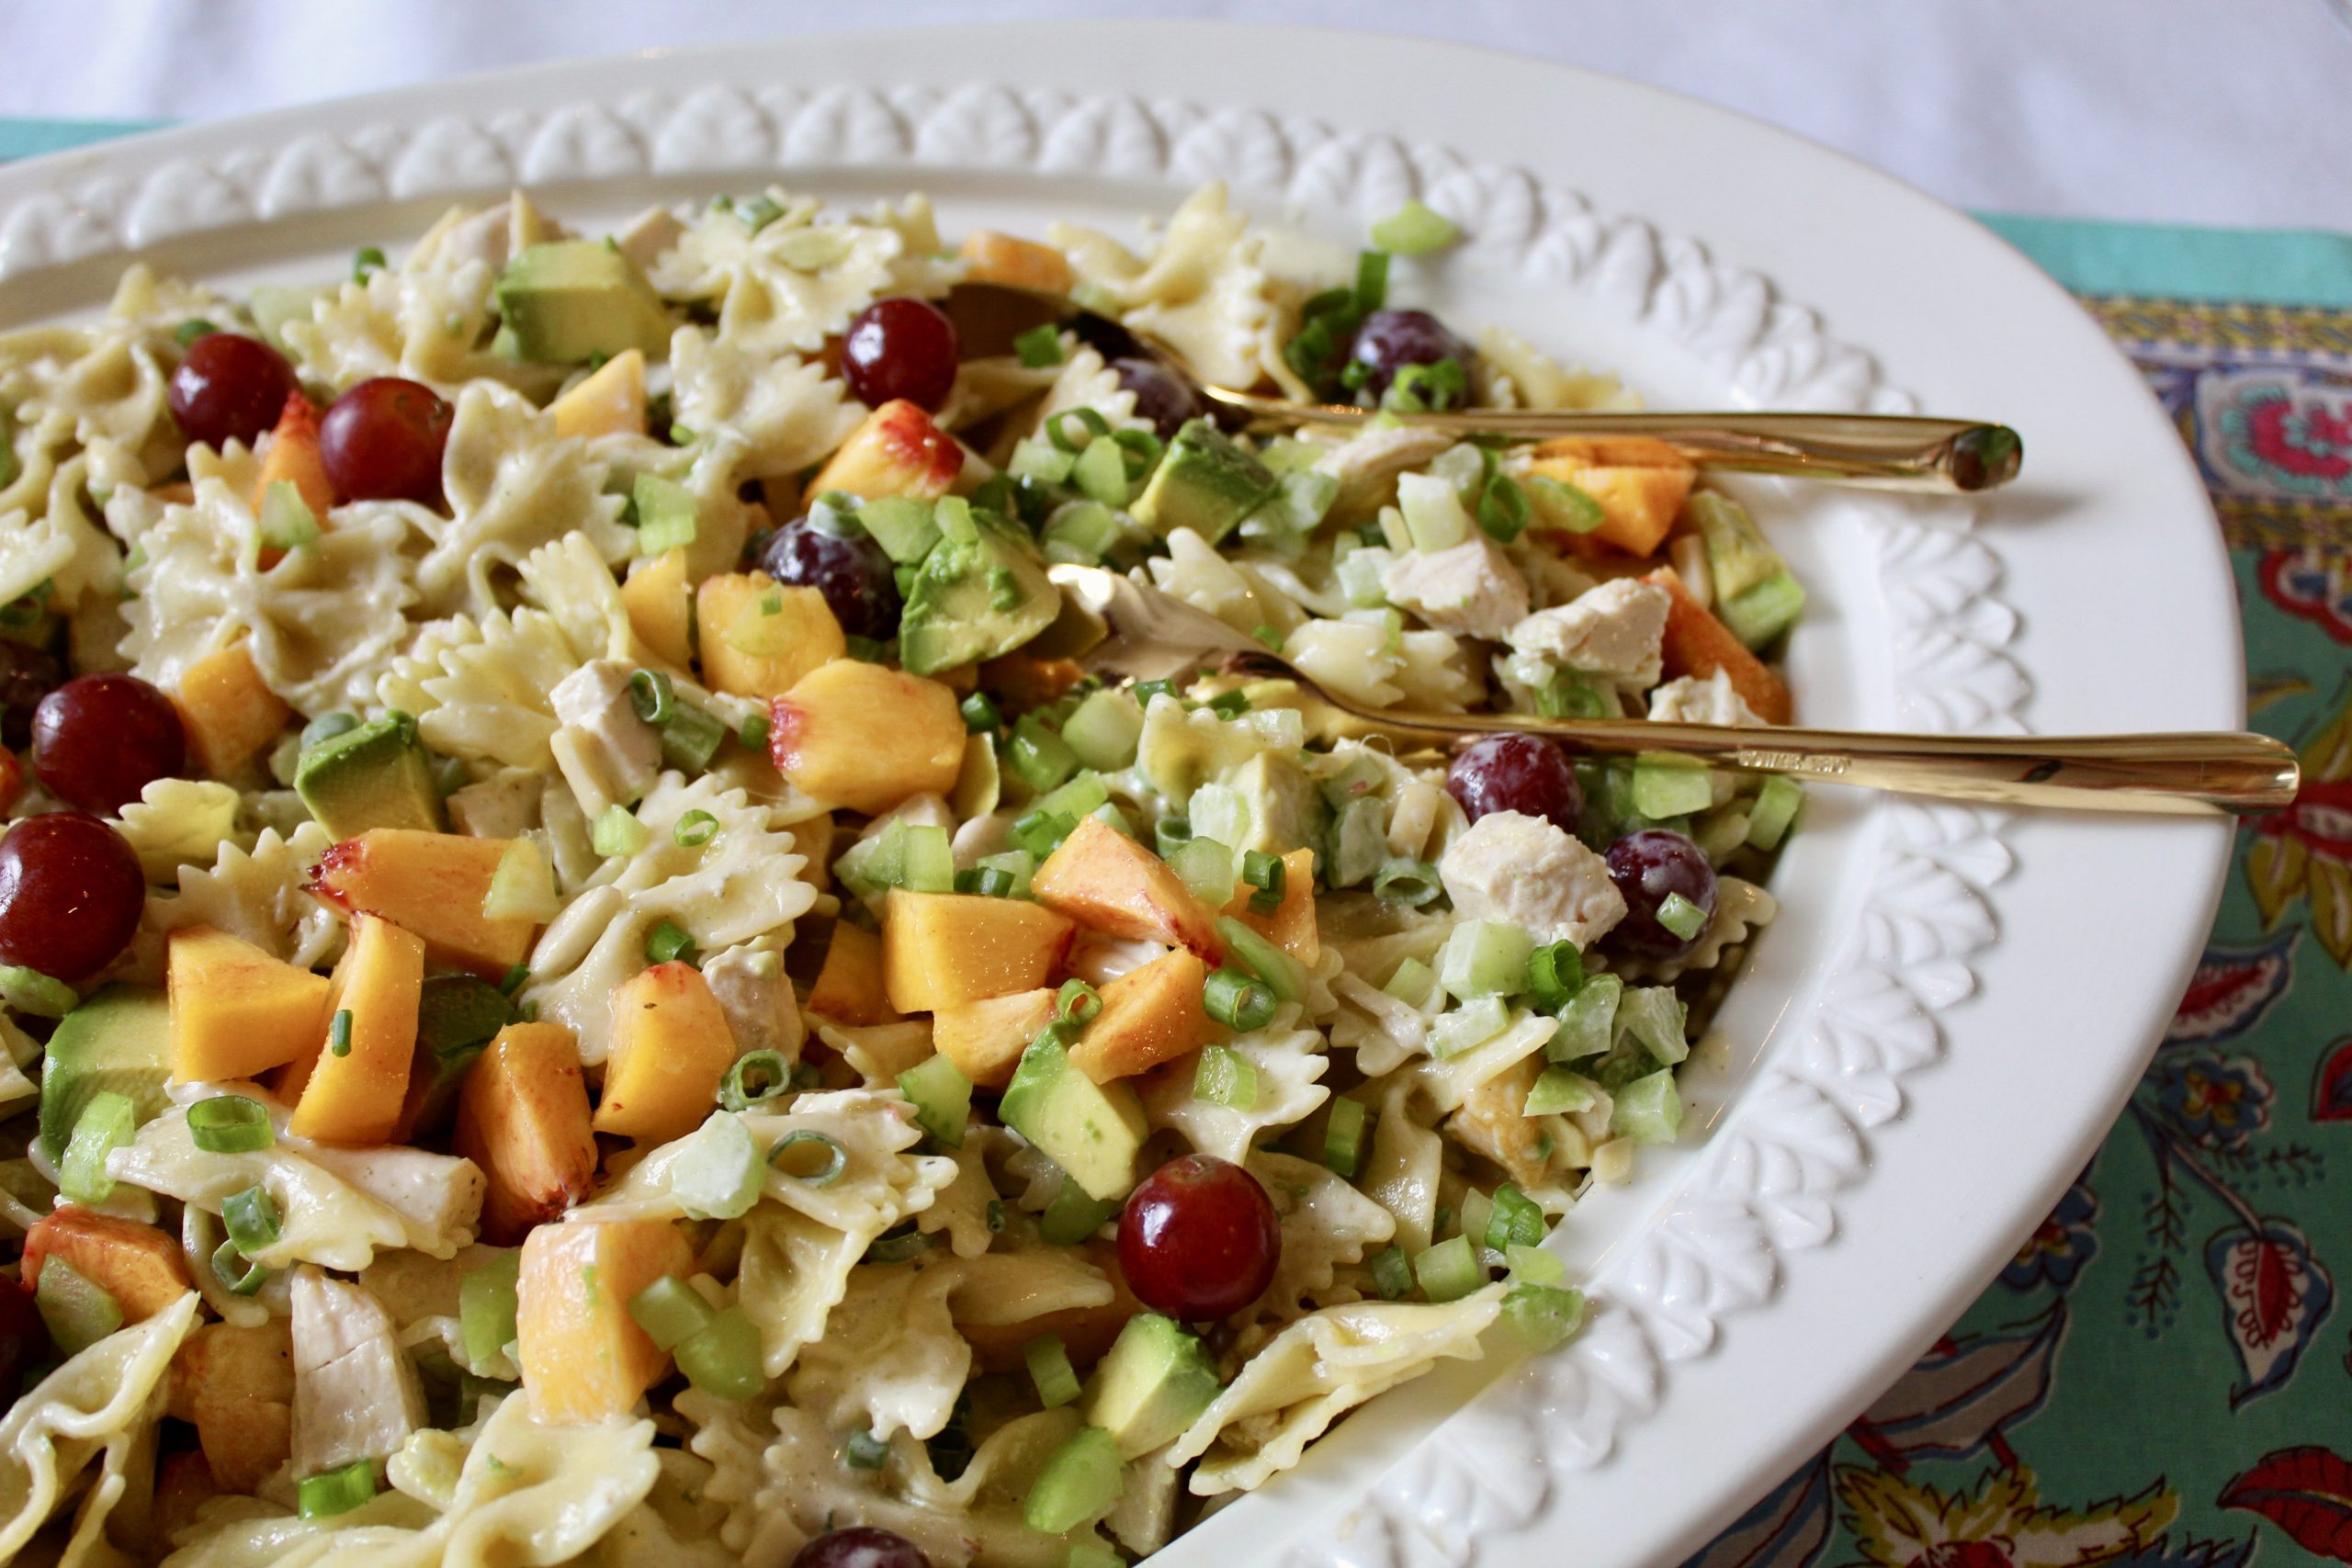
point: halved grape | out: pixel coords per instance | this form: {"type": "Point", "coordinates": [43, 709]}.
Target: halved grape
{"type": "Point", "coordinates": [1649, 867]}
{"type": "Point", "coordinates": [1199, 1239]}
{"type": "Point", "coordinates": [845, 565]}
{"type": "Point", "coordinates": [860, 1546]}
{"type": "Point", "coordinates": [1525, 773]}
{"type": "Point", "coordinates": [1161, 395]}
{"type": "Point", "coordinates": [70, 891]}
{"type": "Point", "coordinates": [901, 349]}
{"type": "Point", "coordinates": [99, 740]}
{"type": "Point", "coordinates": [229, 387]}
{"type": "Point", "coordinates": [383, 440]}
{"type": "Point", "coordinates": [1387, 341]}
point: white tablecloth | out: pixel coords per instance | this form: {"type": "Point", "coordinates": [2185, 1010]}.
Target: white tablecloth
{"type": "Point", "coordinates": [2198, 111]}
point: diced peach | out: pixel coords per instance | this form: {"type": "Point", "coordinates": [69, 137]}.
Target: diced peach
{"type": "Point", "coordinates": [991, 257]}
{"type": "Point", "coordinates": [849, 988]}
{"type": "Point", "coordinates": [671, 1046]}
{"type": "Point", "coordinates": [1107, 882]}
{"type": "Point", "coordinates": [294, 457]}
{"type": "Point", "coordinates": [865, 737]}
{"type": "Point", "coordinates": [941, 950]}
{"type": "Point", "coordinates": [897, 451]}
{"type": "Point", "coordinates": [583, 1358]}
{"type": "Point", "coordinates": [609, 401]}
{"type": "Point", "coordinates": [660, 607]}
{"type": "Point", "coordinates": [985, 1039]}
{"type": "Point", "coordinates": [236, 1010]}
{"type": "Point", "coordinates": [523, 1117]}
{"type": "Point", "coordinates": [138, 1266]}
{"type": "Point", "coordinates": [758, 638]}
{"type": "Point", "coordinates": [353, 1086]}
{"type": "Point", "coordinates": [1152, 1014]}
{"type": "Point", "coordinates": [229, 711]}
{"type": "Point", "coordinates": [431, 883]}
{"type": "Point", "coordinates": [235, 1385]}
{"type": "Point", "coordinates": [1698, 644]}
{"type": "Point", "coordinates": [1292, 925]}
{"type": "Point", "coordinates": [1640, 484]}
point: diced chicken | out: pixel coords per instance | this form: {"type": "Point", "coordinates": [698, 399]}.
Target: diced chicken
{"type": "Point", "coordinates": [504, 805]}
{"type": "Point", "coordinates": [356, 1397]}
{"type": "Point", "coordinates": [1367, 465]}
{"type": "Point", "coordinates": [438, 1195]}
{"type": "Point", "coordinates": [608, 755]}
{"type": "Point", "coordinates": [1470, 588]}
{"type": "Point", "coordinates": [754, 992]}
{"type": "Point", "coordinates": [1689, 700]}
{"type": "Point", "coordinates": [1526, 870]}
{"type": "Point", "coordinates": [649, 234]}
{"type": "Point", "coordinates": [1615, 630]}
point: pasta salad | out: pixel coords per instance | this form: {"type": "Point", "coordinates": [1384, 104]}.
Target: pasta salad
{"type": "Point", "coordinates": [585, 981]}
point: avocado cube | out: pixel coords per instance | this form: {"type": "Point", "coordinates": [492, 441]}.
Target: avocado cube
{"type": "Point", "coordinates": [119, 1040]}
{"type": "Point", "coordinates": [1738, 557]}
{"type": "Point", "coordinates": [374, 776]}
{"type": "Point", "coordinates": [572, 301]}
{"type": "Point", "coordinates": [1092, 1130]}
{"type": "Point", "coordinates": [1286, 808]}
{"type": "Point", "coordinates": [1206, 481]}
{"type": "Point", "coordinates": [1154, 1383]}
{"type": "Point", "coordinates": [981, 590]}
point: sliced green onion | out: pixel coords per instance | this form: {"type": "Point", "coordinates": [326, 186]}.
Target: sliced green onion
{"type": "Point", "coordinates": [809, 1156]}
{"type": "Point", "coordinates": [993, 1216]}
{"type": "Point", "coordinates": [980, 714]}
{"type": "Point", "coordinates": [863, 1450]}
{"type": "Point", "coordinates": [1449, 1270]}
{"type": "Point", "coordinates": [1775, 809]}
{"type": "Point", "coordinates": [691, 739]}
{"type": "Point", "coordinates": [366, 259]}
{"type": "Point", "coordinates": [1392, 1274]}
{"type": "Point", "coordinates": [694, 829]}
{"type": "Point", "coordinates": [1648, 1110]}
{"type": "Point", "coordinates": [754, 1079]}
{"type": "Point", "coordinates": [616, 831]}
{"type": "Point", "coordinates": [1039, 347]}
{"type": "Point", "coordinates": [1405, 880]}
{"type": "Point", "coordinates": [1239, 1002]}
{"type": "Point", "coordinates": [1571, 507]}
{"type": "Point", "coordinates": [752, 733]}
{"type": "Point", "coordinates": [516, 978]}
{"type": "Point", "coordinates": [723, 1361]}
{"type": "Point", "coordinates": [1516, 1221]}
{"type": "Point", "coordinates": [230, 1125]}
{"type": "Point", "coordinates": [718, 1171]}
{"type": "Point", "coordinates": [339, 1033]}
{"type": "Point", "coordinates": [1572, 694]}
{"type": "Point", "coordinates": [251, 1219]}
{"type": "Point", "coordinates": [1050, 1369]}
{"type": "Point", "coordinates": [338, 1491]}
{"type": "Point", "coordinates": [987, 880]}
{"type": "Point", "coordinates": [1041, 832]}
{"type": "Point", "coordinates": [1484, 958]}
{"type": "Point", "coordinates": [1372, 280]}
{"type": "Point", "coordinates": [1545, 1316]}
{"type": "Point", "coordinates": [1414, 230]}
{"type": "Point", "coordinates": [1588, 1023]}
{"type": "Point", "coordinates": [1205, 866]}
{"type": "Point", "coordinates": [669, 942]}
{"type": "Point", "coordinates": [671, 1311]}
{"type": "Point", "coordinates": [1278, 969]}
{"type": "Point", "coordinates": [1146, 690]}
{"type": "Point", "coordinates": [105, 1124]}
{"type": "Point", "coordinates": [238, 1275]}
{"type": "Point", "coordinates": [1225, 1077]}
{"type": "Point", "coordinates": [487, 1303]}
{"type": "Point", "coordinates": [1470, 1025]}
{"type": "Point", "coordinates": [942, 1097]}
{"type": "Point", "coordinates": [651, 694]}
{"type": "Point", "coordinates": [1560, 1091]}
{"type": "Point", "coordinates": [1344, 1137]}
{"type": "Point", "coordinates": [1038, 757]}
{"type": "Point", "coordinates": [1229, 704]}
{"type": "Point", "coordinates": [1057, 432]}
{"type": "Point", "coordinates": [1072, 1216]}
{"type": "Point", "coordinates": [1171, 834]}
{"type": "Point", "coordinates": [1078, 1003]}
{"type": "Point", "coordinates": [1531, 1265]}
{"type": "Point", "coordinates": [897, 1245]}
{"type": "Point", "coordinates": [1268, 878]}
{"type": "Point", "coordinates": [1555, 974]}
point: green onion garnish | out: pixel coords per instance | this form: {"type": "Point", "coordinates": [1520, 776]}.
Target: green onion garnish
{"type": "Point", "coordinates": [1238, 1001]}
{"type": "Point", "coordinates": [691, 739]}
{"type": "Point", "coordinates": [897, 1245]}
{"type": "Point", "coordinates": [980, 714]}
{"type": "Point", "coordinates": [668, 942]}
{"type": "Point", "coordinates": [987, 880]}
{"type": "Point", "coordinates": [1038, 757]}
{"type": "Point", "coordinates": [752, 734]}
{"type": "Point", "coordinates": [516, 978]}
{"type": "Point", "coordinates": [193, 329]}
{"type": "Point", "coordinates": [723, 1361]}
{"type": "Point", "coordinates": [1516, 1220]}
{"type": "Point", "coordinates": [106, 1123]}
{"type": "Point", "coordinates": [230, 1125]}
{"type": "Point", "coordinates": [1405, 880]}
{"type": "Point", "coordinates": [1225, 1077]}
{"type": "Point", "coordinates": [338, 1491]}
{"type": "Point", "coordinates": [1039, 347]}
{"type": "Point", "coordinates": [1254, 953]}
{"type": "Point", "coordinates": [1058, 433]}
{"type": "Point", "coordinates": [1078, 1002]}
{"type": "Point", "coordinates": [1502, 508]}
{"type": "Point", "coordinates": [366, 259]}
{"type": "Point", "coordinates": [993, 1215]}
{"type": "Point", "coordinates": [863, 1450]}
{"type": "Point", "coordinates": [651, 693]}
{"type": "Point", "coordinates": [1147, 690]}
{"type": "Point", "coordinates": [339, 1033]}
{"type": "Point", "coordinates": [487, 1303]}
{"type": "Point", "coordinates": [1392, 1276]}
{"type": "Point", "coordinates": [671, 1311]}
{"type": "Point", "coordinates": [251, 1219]}
{"type": "Point", "coordinates": [1555, 974]}
{"type": "Point", "coordinates": [754, 1079]}
{"type": "Point", "coordinates": [1372, 280]}
{"type": "Point", "coordinates": [238, 1276]}
{"type": "Point", "coordinates": [694, 829]}
{"type": "Point", "coordinates": [1171, 834]}
{"type": "Point", "coordinates": [1414, 230]}
{"type": "Point", "coordinates": [1050, 1369]}
{"type": "Point", "coordinates": [1344, 1137]}
{"type": "Point", "coordinates": [809, 1156]}
{"type": "Point", "coordinates": [1268, 877]}
{"type": "Point", "coordinates": [1229, 705]}
{"type": "Point", "coordinates": [1041, 832]}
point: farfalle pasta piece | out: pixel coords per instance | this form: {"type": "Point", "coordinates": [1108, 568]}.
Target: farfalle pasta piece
{"type": "Point", "coordinates": [788, 414]}
{"type": "Point", "coordinates": [569, 579]}
{"type": "Point", "coordinates": [257, 895]}
{"type": "Point", "coordinates": [1203, 290]}
{"type": "Point", "coordinates": [1320, 1367]}
{"type": "Point", "coordinates": [181, 822]}
{"type": "Point", "coordinates": [1193, 571]}
{"type": "Point", "coordinates": [489, 701]}
{"type": "Point", "coordinates": [889, 1358]}
{"type": "Point", "coordinates": [1287, 1064]}
{"type": "Point", "coordinates": [513, 485]}
{"type": "Point", "coordinates": [1326, 1224]}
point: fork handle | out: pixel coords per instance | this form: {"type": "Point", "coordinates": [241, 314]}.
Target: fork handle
{"type": "Point", "coordinates": [1888, 451]}
{"type": "Point", "coordinates": [2197, 773]}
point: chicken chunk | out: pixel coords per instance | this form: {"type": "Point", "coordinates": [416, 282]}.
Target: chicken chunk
{"type": "Point", "coordinates": [1615, 630]}
{"type": "Point", "coordinates": [1526, 870]}
{"type": "Point", "coordinates": [609, 756]}
{"type": "Point", "coordinates": [753, 991]}
{"type": "Point", "coordinates": [1689, 700]}
{"type": "Point", "coordinates": [1366, 466]}
{"type": "Point", "coordinates": [356, 1397]}
{"type": "Point", "coordinates": [1471, 589]}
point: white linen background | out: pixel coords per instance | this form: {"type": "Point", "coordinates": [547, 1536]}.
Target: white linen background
{"type": "Point", "coordinates": [2189, 111]}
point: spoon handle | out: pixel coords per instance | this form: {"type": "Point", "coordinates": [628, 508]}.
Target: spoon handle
{"type": "Point", "coordinates": [1888, 451]}
{"type": "Point", "coordinates": [2184, 775]}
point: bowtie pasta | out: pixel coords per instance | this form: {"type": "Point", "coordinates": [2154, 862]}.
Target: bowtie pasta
{"type": "Point", "coordinates": [587, 980]}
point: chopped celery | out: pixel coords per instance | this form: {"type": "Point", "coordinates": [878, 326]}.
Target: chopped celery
{"type": "Point", "coordinates": [1775, 809]}
{"type": "Point", "coordinates": [1477, 1213]}
{"type": "Point", "coordinates": [1414, 983]}
{"type": "Point", "coordinates": [487, 1303]}
{"type": "Point", "coordinates": [1433, 511]}
{"type": "Point", "coordinates": [1484, 958]}
{"type": "Point", "coordinates": [1473, 1023]}
{"type": "Point", "coordinates": [1205, 866]}
{"type": "Point", "coordinates": [1050, 1369]}
{"type": "Point", "coordinates": [1219, 812]}
{"type": "Point", "coordinates": [1763, 612]}
{"type": "Point", "coordinates": [1019, 865]}
{"type": "Point", "coordinates": [942, 1097]}
{"type": "Point", "coordinates": [1344, 1137]}
{"type": "Point", "coordinates": [1559, 1092]}
{"type": "Point", "coordinates": [1545, 1316]}
{"type": "Point", "coordinates": [1035, 458]}
{"type": "Point", "coordinates": [1414, 230]}
{"type": "Point", "coordinates": [1038, 757]}
{"type": "Point", "coordinates": [1278, 969]}
{"type": "Point", "coordinates": [1081, 532]}
{"type": "Point", "coordinates": [1653, 1015]}
{"type": "Point", "coordinates": [1083, 794]}
{"type": "Point", "coordinates": [1648, 1110]}
{"type": "Point", "coordinates": [1225, 1077]}
{"type": "Point", "coordinates": [1449, 1271]}
{"type": "Point", "coordinates": [1361, 778]}
{"type": "Point", "coordinates": [1681, 917]}
{"type": "Point", "coordinates": [1588, 1024]}
{"type": "Point", "coordinates": [1072, 1216]}
{"type": "Point", "coordinates": [1533, 1266]}
{"type": "Point", "coordinates": [1671, 787]}
{"type": "Point", "coordinates": [1359, 574]}
{"type": "Point", "coordinates": [1100, 473]}
{"type": "Point", "coordinates": [1392, 1276]}
{"type": "Point", "coordinates": [1103, 731]}
{"type": "Point", "coordinates": [720, 1169]}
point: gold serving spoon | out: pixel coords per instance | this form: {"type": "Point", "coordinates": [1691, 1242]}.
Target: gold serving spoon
{"type": "Point", "coordinates": [1908, 451]}
{"type": "Point", "coordinates": [1121, 629]}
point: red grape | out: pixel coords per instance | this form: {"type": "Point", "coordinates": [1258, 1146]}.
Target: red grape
{"type": "Point", "coordinates": [1648, 867]}
{"type": "Point", "coordinates": [1389, 340]}
{"type": "Point", "coordinates": [229, 388]}
{"type": "Point", "coordinates": [1161, 395]}
{"type": "Point", "coordinates": [901, 349]}
{"type": "Point", "coordinates": [383, 440]}
{"type": "Point", "coordinates": [860, 1546]}
{"type": "Point", "coordinates": [1516, 772]}
{"type": "Point", "coordinates": [99, 740]}
{"type": "Point", "coordinates": [70, 891]}
{"type": "Point", "coordinates": [26, 675]}
{"type": "Point", "coordinates": [1199, 1239]}
{"type": "Point", "coordinates": [845, 565]}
